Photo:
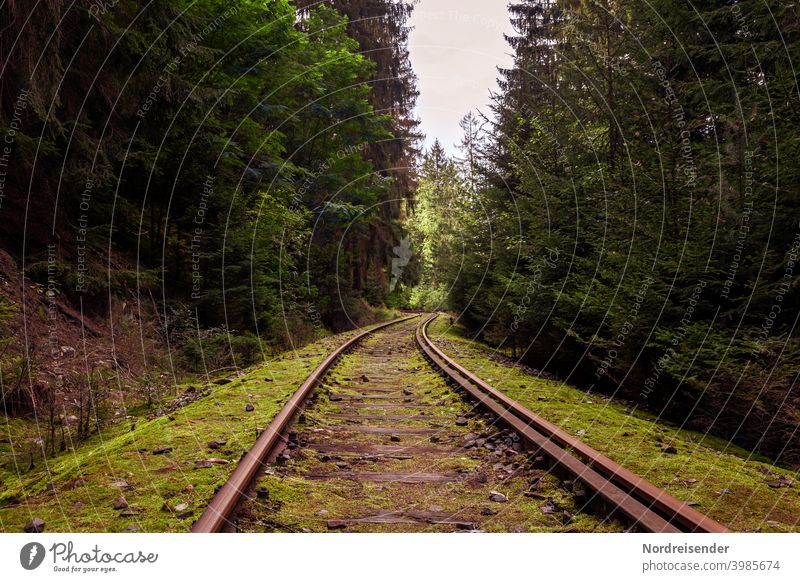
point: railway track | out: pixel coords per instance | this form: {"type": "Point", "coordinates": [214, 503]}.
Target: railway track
{"type": "Point", "coordinates": [390, 434]}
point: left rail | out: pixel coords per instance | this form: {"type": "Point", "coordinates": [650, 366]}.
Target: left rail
{"type": "Point", "coordinates": [218, 513]}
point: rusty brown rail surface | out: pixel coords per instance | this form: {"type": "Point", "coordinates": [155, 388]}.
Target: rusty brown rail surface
{"type": "Point", "coordinates": [650, 508]}
{"type": "Point", "coordinates": [217, 514]}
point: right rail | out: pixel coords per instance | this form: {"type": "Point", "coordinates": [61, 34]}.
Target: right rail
{"type": "Point", "coordinates": [649, 507]}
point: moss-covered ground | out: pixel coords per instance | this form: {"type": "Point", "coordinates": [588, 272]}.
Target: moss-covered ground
{"type": "Point", "coordinates": [76, 490]}
{"type": "Point", "coordinates": [742, 490]}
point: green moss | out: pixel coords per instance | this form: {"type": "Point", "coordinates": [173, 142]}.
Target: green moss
{"type": "Point", "coordinates": [82, 479]}
{"type": "Point", "coordinates": [727, 483]}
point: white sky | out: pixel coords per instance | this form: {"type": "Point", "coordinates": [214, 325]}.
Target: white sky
{"type": "Point", "coordinates": [455, 48]}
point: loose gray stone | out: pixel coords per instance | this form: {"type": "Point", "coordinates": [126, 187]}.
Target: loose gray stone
{"type": "Point", "coordinates": [35, 526]}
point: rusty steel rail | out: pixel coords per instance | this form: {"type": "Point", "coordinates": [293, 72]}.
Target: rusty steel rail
{"type": "Point", "coordinates": [650, 508]}
{"type": "Point", "coordinates": [217, 514]}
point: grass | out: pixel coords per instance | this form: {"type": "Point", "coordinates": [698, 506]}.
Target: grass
{"type": "Point", "coordinates": [726, 482]}
{"type": "Point", "coordinates": [75, 490]}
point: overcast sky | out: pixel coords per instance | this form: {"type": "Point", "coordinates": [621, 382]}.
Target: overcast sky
{"type": "Point", "coordinates": [455, 47]}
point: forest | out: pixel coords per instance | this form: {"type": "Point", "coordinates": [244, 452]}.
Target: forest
{"type": "Point", "coordinates": [626, 215]}
{"type": "Point", "coordinates": [168, 169]}
{"type": "Point", "coordinates": [194, 186]}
